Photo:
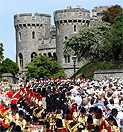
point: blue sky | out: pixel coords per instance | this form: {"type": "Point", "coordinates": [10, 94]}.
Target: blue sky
{"type": "Point", "coordinates": [8, 8]}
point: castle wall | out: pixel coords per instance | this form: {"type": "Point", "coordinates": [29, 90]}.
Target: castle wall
{"type": "Point", "coordinates": [34, 34]}
{"type": "Point", "coordinates": [28, 30]}
{"type": "Point", "coordinates": [68, 22]}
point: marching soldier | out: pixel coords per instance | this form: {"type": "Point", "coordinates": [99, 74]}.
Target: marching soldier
{"type": "Point", "coordinates": [28, 124]}
{"type": "Point", "coordinates": [40, 113]}
{"type": "Point", "coordinates": [113, 127]}
{"type": "Point", "coordinates": [66, 119]}
{"type": "Point", "coordinates": [21, 121]}
{"type": "Point", "coordinates": [75, 126]}
{"type": "Point", "coordinates": [52, 116]}
{"type": "Point", "coordinates": [99, 118]}
{"type": "Point", "coordinates": [83, 117]}
{"type": "Point", "coordinates": [89, 125]}
{"type": "Point", "coordinates": [13, 115]}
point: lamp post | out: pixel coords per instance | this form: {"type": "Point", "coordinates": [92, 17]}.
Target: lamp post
{"type": "Point", "coordinates": [74, 61]}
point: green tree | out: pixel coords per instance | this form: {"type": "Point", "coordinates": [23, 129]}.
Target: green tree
{"type": "Point", "coordinates": [1, 57]}
{"type": "Point", "coordinates": [1, 52]}
{"type": "Point", "coordinates": [111, 13]}
{"type": "Point", "coordinates": [10, 67]}
{"type": "Point", "coordinates": [113, 42]}
{"type": "Point", "coordinates": [88, 42]}
{"type": "Point", "coordinates": [44, 67]}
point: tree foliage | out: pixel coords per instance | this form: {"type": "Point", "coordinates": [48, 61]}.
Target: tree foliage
{"type": "Point", "coordinates": [9, 67]}
{"type": "Point", "coordinates": [1, 57]}
{"type": "Point", "coordinates": [111, 13]}
{"type": "Point", "coordinates": [88, 42]}
{"type": "Point", "coordinates": [44, 67]}
{"type": "Point", "coordinates": [113, 42]}
{"type": "Point", "coordinates": [1, 52]}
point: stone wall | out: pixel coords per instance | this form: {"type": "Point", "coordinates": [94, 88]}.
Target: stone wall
{"type": "Point", "coordinates": [10, 78]}
{"type": "Point", "coordinates": [105, 74]}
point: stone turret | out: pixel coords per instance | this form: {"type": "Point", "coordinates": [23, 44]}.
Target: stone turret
{"type": "Point", "coordinates": [28, 31]}
{"type": "Point", "coordinates": [68, 22]}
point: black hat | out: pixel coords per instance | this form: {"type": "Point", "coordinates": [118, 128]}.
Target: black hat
{"type": "Point", "coordinates": [58, 122]}
{"type": "Point", "coordinates": [17, 129]}
{"type": "Point", "coordinates": [91, 109]}
{"type": "Point", "coordinates": [35, 119]}
{"type": "Point", "coordinates": [99, 111]}
{"type": "Point", "coordinates": [90, 119]}
{"type": "Point", "coordinates": [13, 125]}
{"type": "Point", "coordinates": [28, 118]}
{"type": "Point", "coordinates": [96, 129]}
{"type": "Point", "coordinates": [83, 110]}
{"type": "Point", "coordinates": [95, 108]}
{"type": "Point", "coordinates": [67, 111]}
{"type": "Point", "coordinates": [13, 106]}
{"type": "Point", "coordinates": [114, 111]}
{"type": "Point", "coordinates": [61, 87]}
{"type": "Point", "coordinates": [21, 112]}
{"type": "Point", "coordinates": [111, 117]}
{"type": "Point", "coordinates": [66, 99]}
{"type": "Point", "coordinates": [54, 106]}
{"type": "Point", "coordinates": [56, 95]}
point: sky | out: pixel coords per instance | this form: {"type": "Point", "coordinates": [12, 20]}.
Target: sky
{"type": "Point", "coordinates": [8, 8]}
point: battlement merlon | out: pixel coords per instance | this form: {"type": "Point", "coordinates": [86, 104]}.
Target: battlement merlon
{"type": "Point", "coordinates": [27, 18]}
{"type": "Point", "coordinates": [72, 14]}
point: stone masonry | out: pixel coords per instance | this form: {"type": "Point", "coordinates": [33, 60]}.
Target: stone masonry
{"type": "Point", "coordinates": [35, 35]}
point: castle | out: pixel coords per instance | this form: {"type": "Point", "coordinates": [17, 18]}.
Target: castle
{"type": "Point", "coordinates": [35, 35]}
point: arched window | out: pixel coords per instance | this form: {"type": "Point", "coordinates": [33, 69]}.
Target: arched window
{"type": "Point", "coordinates": [19, 36]}
{"type": "Point", "coordinates": [65, 37]}
{"type": "Point", "coordinates": [74, 28]}
{"type": "Point", "coordinates": [54, 56]}
{"type": "Point", "coordinates": [68, 59]}
{"type": "Point", "coordinates": [44, 54]}
{"type": "Point", "coordinates": [20, 61]}
{"type": "Point", "coordinates": [33, 35]}
{"type": "Point", "coordinates": [33, 56]}
{"type": "Point", "coordinates": [49, 55]}
{"type": "Point", "coordinates": [65, 59]}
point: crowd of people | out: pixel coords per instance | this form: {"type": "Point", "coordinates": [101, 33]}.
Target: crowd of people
{"type": "Point", "coordinates": [80, 106]}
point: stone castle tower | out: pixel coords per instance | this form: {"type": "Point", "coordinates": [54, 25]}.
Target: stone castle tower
{"type": "Point", "coordinates": [35, 35]}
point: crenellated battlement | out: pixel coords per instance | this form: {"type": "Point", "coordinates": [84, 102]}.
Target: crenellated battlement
{"type": "Point", "coordinates": [27, 19]}
{"type": "Point", "coordinates": [71, 15]}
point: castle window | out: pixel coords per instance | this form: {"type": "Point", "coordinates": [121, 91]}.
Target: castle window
{"type": "Point", "coordinates": [70, 21]}
{"type": "Point", "coordinates": [65, 37]}
{"type": "Point", "coordinates": [19, 36]}
{"type": "Point", "coordinates": [44, 54]}
{"type": "Point", "coordinates": [74, 20]}
{"type": "Point", "coordinates": [65, 21]}
{"type": "Point", "coordinates": [74, 28]}
{"type": "Point", "coordinates": [20, 61]}
{"type": "Point", "coordinates": [79, 21]}
{"type": "Point", "coordinates": [65, 59]}
{"type": "Point", "coordinates": [33, 35]}
{"type": "Point", "coordinates": [54, 56]}
{"type": "Point", "coordinates": [68, 59]}
{"type": "Point", "coordinates": [24, 25]}
{"type": "Point", "coordinates": [33, 56]}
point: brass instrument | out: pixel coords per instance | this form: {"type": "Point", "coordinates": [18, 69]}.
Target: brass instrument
{"type": "Point", "coordinates": [10, 129]}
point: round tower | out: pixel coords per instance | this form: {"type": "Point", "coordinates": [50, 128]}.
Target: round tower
{"type": "Point", "coordinates": [68, 22]}
{"type": "Point", "coordinates": [28, 30]}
